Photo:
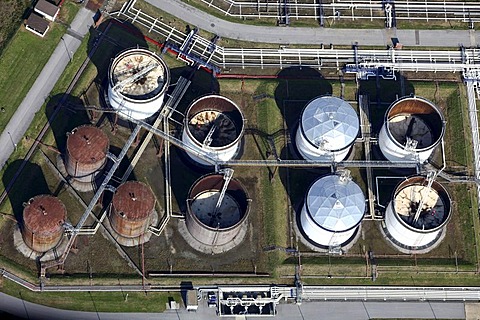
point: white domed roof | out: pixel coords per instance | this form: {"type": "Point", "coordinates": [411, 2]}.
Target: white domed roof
{"type": "Point", "coordinates": [330, 122]}
{"type": "Point", "coordinates": [334, 204]}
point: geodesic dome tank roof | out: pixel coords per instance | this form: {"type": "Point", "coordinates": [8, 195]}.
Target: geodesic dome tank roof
{"type": "Point", "coordinates": [331, 121]}
{"type": "Point", "coordinates": [334, 204]}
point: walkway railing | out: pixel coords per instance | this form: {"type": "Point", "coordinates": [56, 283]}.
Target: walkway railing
{"type": "Point", "coordinates": [348, 9]}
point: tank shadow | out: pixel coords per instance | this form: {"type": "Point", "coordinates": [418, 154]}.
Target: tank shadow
{"type": "Point", "coordinates": [30, 183]}
{"type": "Point", "coordinates": [297, 181]}
{"type": "Point", "coordinates": [382, 93]}
{"type": "Point", "coordinates": [202, 83]}
{"type": "Point", "coordinates": [296, 86]}
{"type": "Point", "coordinates": [119, 35]}
{"type": "Point", "coordinates": [64, 113]}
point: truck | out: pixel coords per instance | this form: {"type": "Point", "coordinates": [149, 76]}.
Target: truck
{"type": "Point", "coordinates": [192, 301]}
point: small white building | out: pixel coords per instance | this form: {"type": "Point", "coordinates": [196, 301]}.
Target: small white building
{"type": "Point", "coordinates": [37, 25]}
{"type": "Point", "coordinates": [47, 10]}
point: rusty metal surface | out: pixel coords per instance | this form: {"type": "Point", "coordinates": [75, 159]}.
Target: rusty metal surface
{"type": "Point", "coordinates": [87, 145]}
{"type": "Point", "coordinates": [133, 201]}
{"type": "Point", "coordinates": [211, 102]}
{"type": "Point", "coordinates": [413, 105]}
{"type": "Point", "coordinates": [219, 104]}
{"type": "Point", "coordinates": [44, 215]}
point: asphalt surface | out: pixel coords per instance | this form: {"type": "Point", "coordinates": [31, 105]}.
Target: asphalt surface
{"type": "Point", "coordinates": [300, 35]}
{"type": "Point", "coordinates": [340, 310]}
{"type": "Point", "coordinates": [44, 84]}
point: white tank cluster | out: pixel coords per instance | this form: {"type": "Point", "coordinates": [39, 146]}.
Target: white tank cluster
{"type": "Point", "coordinates": [333, 210]}
{"type": "Point", "coordinates": [213, 125]}
{"type": "Point", "coordinates": [417, 214]}
{"type": "Point", "coordinates": [412, 129]}
{"type": "Point", "coordinates": [328, 128]}
{"type": "Point", "coordinates": [137, 82]}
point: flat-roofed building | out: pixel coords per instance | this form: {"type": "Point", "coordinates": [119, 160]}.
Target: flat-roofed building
{"type": "Point", "coordinates": [37, 25]}
{"type": "Point", "coordinates": [46, 9]}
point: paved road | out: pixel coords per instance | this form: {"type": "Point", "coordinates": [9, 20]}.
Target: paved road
{"type": "Point", "coordinates": [307, 311]}
{"type": "Point", "coordinates": [291, 35]}
{"type": "Point", "coordinates": [44, 84]}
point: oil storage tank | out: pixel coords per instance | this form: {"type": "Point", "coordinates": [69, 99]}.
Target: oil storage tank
{"type": "Point", "coordinates": [86, 153]}
{"type": "Point", "coordinates": [215, 218]}
{"type": "Point", "coordinates": [133, 207]}
{"type": "Point", "coordinates": [43, 222]}
{"type": "Point", "coordinates": [328, 127]}
{"type": "Point", "coordinates": [413, 127]}
{"type": "Point", "coordinates": [137, 82]}
{"type": "Point", "coordinates": [213, 125]}
{"type": "Point", "coordinates": [333, 210]}
{"type": "Point", "coordinates": [417, 214]}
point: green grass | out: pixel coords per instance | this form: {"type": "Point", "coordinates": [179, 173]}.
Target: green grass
{"type": "Point", "coordinates": [23, 60]}
{"type": "Point", "coordinates": [11, 13]}
{"type": "Point", "coordinates": [40, 119]}
{"type": "Point", "coordinates": [275, 211]}
{"type": "Point", "coordinates": [101, 59]}
{"type": "Point", "coordinates": [458, 153]}
{"type": "Point", "coordinates": [95, 301]}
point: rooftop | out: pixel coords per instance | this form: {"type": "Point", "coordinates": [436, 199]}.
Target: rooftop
{"type": "Point", "coordinates": [44, 214]}
{"type": "Point", "coordinates": [46, 7]}
{"type": "Point", "coordinates": [87, 144]}
{"type": "Point", "coordinates": [330, 122]}
{"type": "Point", "coordinates": [134, 199]}
{"type": "Point", "coordinates": [334, 204]}
{"type": "Point", "coordinates": [37, 23]}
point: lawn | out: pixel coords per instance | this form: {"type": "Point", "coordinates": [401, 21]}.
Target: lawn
{"type": "Point", "coordinates": [23, 60]}
{"type": "Point", "coordinates": [95, 301]}
{"type": "Point", "coordinates": [11, 14]}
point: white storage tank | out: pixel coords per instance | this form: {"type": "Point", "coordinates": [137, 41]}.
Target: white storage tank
{"type": "Point", "coordinates": [213, 125]}
{"type": "Point", "coordinates": [412, 228]}
{"type": "Point", "coordinates": [409, 227]}
{"type": "Point", "coordinates": [224, 228]}
{"type": "Point", "coordinates": [333, 210]}
{"type": "Point", "coordinates": [412, 129]}
{"type": "Point", "coordinates": [137, 82]}
{"type": "Point", "coordinates": [328, 128]}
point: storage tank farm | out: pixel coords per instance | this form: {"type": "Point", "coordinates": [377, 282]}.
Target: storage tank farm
{"type": "Point", "coordinates": [213, 125]}
{"type": "Point", "coordinates": [131, 212]}
{"type": "Point", "coordinates": [332, 212]}
{"type": "Point", "coordinates": [42, 226]}
{"type": "Point", "coordinates": [416, 217]}
{"type": "Point", "coordinates": [137, 82]}
{"type": "Point", "coordinates": [85, 156]}
{"type": "Point", "coordinates": [217, 211]}
{"type": "Point", "coordinates": [412, 129]}
{"type": "Point", "coordinates": [327, 130]}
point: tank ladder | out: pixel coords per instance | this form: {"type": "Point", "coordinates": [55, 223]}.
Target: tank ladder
{"type": "Point", "coordinates": [431, 175]}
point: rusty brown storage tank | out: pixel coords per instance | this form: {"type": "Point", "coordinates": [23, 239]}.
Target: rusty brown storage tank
{"type": "Point", "coordinates": [43, 222]}
{"type": "Point", "coordinates": [221, 228]}
{"type": "Point", "coordinates": [132, 206]}
{"type": "Point", "coordinates": [86, 153]}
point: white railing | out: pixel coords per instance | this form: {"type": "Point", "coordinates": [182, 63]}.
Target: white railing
{"type": "Point", "coordinates": [349, 10]}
